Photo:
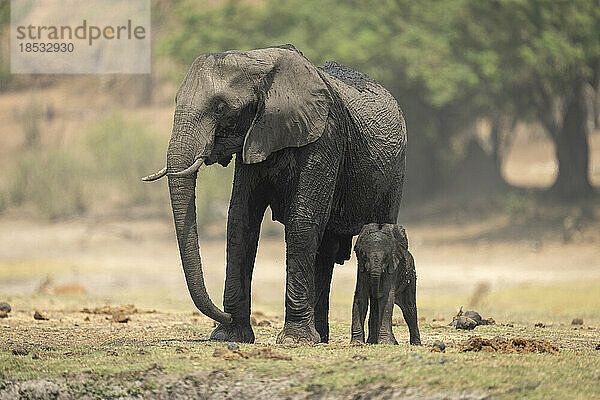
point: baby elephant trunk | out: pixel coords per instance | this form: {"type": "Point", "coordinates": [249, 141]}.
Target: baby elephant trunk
{"type": "Point", "coordinates": [375, 282]}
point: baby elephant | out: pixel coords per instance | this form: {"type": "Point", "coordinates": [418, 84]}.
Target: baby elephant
{"type": "Point", "coordinates": [386, 275]}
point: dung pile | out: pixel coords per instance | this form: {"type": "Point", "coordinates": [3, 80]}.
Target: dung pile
{"type": "Point", "coordinates": [504, 345]}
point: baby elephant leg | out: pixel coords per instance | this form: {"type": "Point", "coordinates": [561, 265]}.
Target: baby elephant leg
{"type": "Point", "coordinates": [406, 300]}
{"type": "Point", "coordinates": [385, 334]}
{"type": "Point", "coordinates": [359, 312]}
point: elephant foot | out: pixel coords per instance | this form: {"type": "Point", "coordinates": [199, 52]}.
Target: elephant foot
{"type": "Point", "coordinates": [415, 341]}
{"type": "Point", "coordinates": [387, 340]}
{"type": "Point", "coordinates": [297, 332]}
{"type": "Point", "coordinates": [241, 333]}
{"type": "Point", "coordinates": [357, 341]}
{"type": "Point", "coordinates": [323, 331]}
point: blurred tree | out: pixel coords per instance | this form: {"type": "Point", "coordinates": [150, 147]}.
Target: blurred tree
{"type": "Point", "coordinates": [535, 60]}
{"type": "Point", "coordinates": [447, 63]}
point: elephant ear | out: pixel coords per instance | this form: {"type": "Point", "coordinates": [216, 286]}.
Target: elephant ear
{"type": "Point", "coordinates": [296, 104]}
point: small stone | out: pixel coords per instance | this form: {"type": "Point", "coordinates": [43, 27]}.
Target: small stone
{"type": "Point", "coordinates": [232, 346]}
{"type": "Point", "coordinates": [3, 314]}
{"type": "Point", "coordinates": [179, 350]}
{"type": "Point", "coordinates": [20, 351]}
{"type": "Point", "coordinates": [112, 353]}
{"type": "Point", "coordinates": [264, 322]}
{"type": "Point", "coordinates": [5, 307]}
{"type": "Point", "coordinates": [438, 346]}
{"type": "Point", "coordinates": [120, 318]}
{"type": "Point", "coordinates": [577, 321]}
{"type": "Point", "coordinates": [540, 325]}
{"type": "Point", "coordinates": [35, 356]}
{"type": "Point", "coordinates": [39, 316]}
{"type": "Point", "coordinates": [598, 347]}
{"type": "Point", "coordinates": [465, 323]}
{"type": "Point", "coordinates": [358, 357]}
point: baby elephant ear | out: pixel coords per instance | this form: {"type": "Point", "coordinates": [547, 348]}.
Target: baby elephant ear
{"type": "Point", "coordinates": [296, 105]}
{"type": "Point", "coordinates": [400, 236]}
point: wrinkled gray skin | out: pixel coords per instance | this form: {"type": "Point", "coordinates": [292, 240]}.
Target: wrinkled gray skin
{"type": "Point", "coordinates": [323, 147]}
{"type": "Point", "coordinates": [386, 276]}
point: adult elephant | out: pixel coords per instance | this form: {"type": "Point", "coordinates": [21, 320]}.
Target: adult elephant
{"type": "Point", "coordinates": [323, 147]}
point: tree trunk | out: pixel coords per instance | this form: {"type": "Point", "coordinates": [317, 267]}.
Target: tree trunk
{"type": "Point", "coordinates": [572, 150]}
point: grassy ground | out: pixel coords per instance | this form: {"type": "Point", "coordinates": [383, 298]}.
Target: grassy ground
{"type": "Point", "coordinates": [163, 353]}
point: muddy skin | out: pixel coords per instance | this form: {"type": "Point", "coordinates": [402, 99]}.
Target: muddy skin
{"type": "Point", "coordinates": [386, 276]}
{"type": "Point", "coordinates": [324, 148]}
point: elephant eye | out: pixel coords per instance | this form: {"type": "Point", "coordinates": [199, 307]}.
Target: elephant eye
{"type": "Point", "coordinates": [220, 107]}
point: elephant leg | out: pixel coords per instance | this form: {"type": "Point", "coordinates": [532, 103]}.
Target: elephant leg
{"type": "Point", "coordinates": [359, 310]}
{"type": "Point", "coordinates": [307, 217]}
{"type": "Point", "coordinates": [373, 320]}
{"type": "Point", "coordinates": [406, 300]}
{"type": "Point", "coordinates": [385, 334]}
{"type": "Point", "coordinates": [245, 215]}
{"type": "Point", "coordinates": [323, 273]}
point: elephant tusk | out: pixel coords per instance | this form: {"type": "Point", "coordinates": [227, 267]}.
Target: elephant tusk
{"type": "Point", "coordinates": [155, 176]}
{"type": "Point", "coordinates": [192, 169]}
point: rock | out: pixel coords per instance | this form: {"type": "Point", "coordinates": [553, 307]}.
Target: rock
{"type": "Point", "coordinates": [465, 323]}
{"type": "Point", "coordinates": [3, 314]}
{"type": "Point", "coordinates": [438, 346]}
{"type": "Point", "coordinates": [5, 307]}
{"type": "Point", "coordinates": [39, 316]}
{"type": "Point", "coordinates": [598, 347]}
{"type": "Point", "coordinates": [120, 318]}
{"type": "Point", "coordinates": [358, 357]}
{"type": "Point", "coordinates": [180, 350]}
{"type": "Point", "coordinates": [35, 356]}
{"type": "Point", "coordinates": [264, 322]}
{"type": "Point", "coordinates": [232, 346]}
{"type": "Point", "coordinates": [540, 325]}
{"type": "Point", "coordinates": [577, 321]}
{"type": "Point", "coordinates": [20, 351]}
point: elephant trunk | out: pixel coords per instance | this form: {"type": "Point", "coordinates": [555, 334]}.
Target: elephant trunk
{"type": "Point", "coordinates": [180, 156]}
{"type": "Point", "coordinates": [375, 279]}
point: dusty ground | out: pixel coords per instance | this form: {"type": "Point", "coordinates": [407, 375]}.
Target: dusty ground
{"type": "Point", "coordinates": [491, 264]}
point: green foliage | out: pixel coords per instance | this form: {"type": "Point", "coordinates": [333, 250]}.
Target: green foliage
{"type": "Point", "coordinates": [121, 153]}
{"type": "Point", "coordinates": [446, 62]}
{"type": "Point", "coordinates": [107, 163]}
{"type": "Point", "coordinates": [516, 204]}
{"type": "Point", "coordinates": [212, 194]}
{"type": "Point", "coordinates": [51, 181]}
{"type": "Point", "coordinates": [30, 118]}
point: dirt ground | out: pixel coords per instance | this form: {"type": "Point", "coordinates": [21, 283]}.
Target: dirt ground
{"type": "Point", "coordinates": [66, 270]}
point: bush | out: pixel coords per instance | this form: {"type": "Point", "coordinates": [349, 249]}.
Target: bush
{"type": "Point", "coordinates": [517, 204]}
{"type": "Point", "coordinates": [52, 182]}
{"type": "Point", "coordinates": [121, 153]}
{"type": "Point", "coordinates": [213, 193]}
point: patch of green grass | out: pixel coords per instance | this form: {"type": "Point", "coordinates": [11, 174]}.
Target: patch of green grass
{"type": "Point", "coordinates": [113, 353]}
{"type": "Point", "coordinates": [333, 367]}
